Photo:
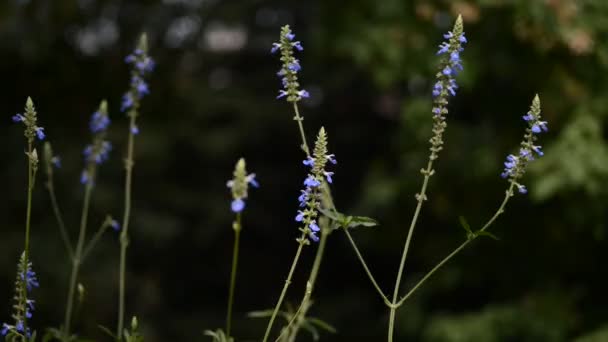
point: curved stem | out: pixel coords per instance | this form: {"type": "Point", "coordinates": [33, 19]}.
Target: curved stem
{"type": "Point", "coordinates": [500, 210]}
{"type": "Point", "coordinates": [59, 217]}
{"type": "Point", "coordinates": [124, 237]}
{"type": "Point", "coordinates": [369, 273]}
{"type": "Point", "coordinates": [235, 260]}
{"type": "Point", "coordinates": [421, 197]}
{"type": "Point", "coordinates": [301, 309]}
{"type": "Point", "coordinates": [98, 234]}
{"type": "Point", "coordinates": [77, 261]}
{"type": "Point", "coordinates": [284, 291]}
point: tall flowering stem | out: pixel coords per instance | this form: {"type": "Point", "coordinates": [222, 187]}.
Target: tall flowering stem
{"type": "Point", "coordinates": [94, 155]}
{"type": "Point", "coordinates": [310, 203]}
{"type": "Point", "coordinates": [239, 186]}
{"type": "Point", "coordinates": [26, 278]}
{"type": "Point", "coordinates": [515, 167]}
{"type": "Point", "coordinates": [445, 86]}
{"type": "Point", "coordinates": [141, 64]}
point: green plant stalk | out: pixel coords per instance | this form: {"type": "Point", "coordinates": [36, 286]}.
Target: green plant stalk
{"type": "Point", "coordinates": [501, 209]}
{"type": "Point", "coordinates": [312, 278]}
{"type": "Point", "coordinates": [420, 197]}
{"type": "Point", "coordinates": [124, 237]}
{"type": "Point", "coordinates": [299, 119]}
{"type": "Point", "coordinates": [98, 234]}
{"type": "Point", "coordinates": [367, 271]}
{"type": "Point", "coordinates": [59, 217]}
{"type": "Point", "coordinates": [77, 260]}
{"type": "Point", "coordinates": [287, 283]}
{"type": "Point", "coordinates": [235, 260]}
{"type": "Point", "coordinates": [28, 214]}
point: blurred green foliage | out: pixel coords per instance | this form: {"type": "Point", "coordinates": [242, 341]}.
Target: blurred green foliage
{"type": "Point", "coordinates": [369, 66]}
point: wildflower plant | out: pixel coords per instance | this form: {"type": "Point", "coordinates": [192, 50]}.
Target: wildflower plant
{"type": "Point", "coordinates": [141, 65]}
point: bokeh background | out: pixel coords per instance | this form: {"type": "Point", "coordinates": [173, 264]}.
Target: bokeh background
{"type": "Point", "coordinates": [369, 66]}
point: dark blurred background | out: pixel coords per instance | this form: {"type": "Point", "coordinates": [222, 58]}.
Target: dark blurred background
{"type": "Point", "coordinates": [369, 66]}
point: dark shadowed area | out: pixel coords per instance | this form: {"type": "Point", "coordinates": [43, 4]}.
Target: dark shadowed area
{"type": "Point", "coordinates": [369, 67]}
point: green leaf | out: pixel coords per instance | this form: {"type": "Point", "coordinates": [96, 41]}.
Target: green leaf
{"type": "Point", "coordinates": [322, 324]}
{"type": "Point", "coordinates": [356, 221]}
{"type": "Point", "coordinates": [107, 331]}
{"type": "Point", "coordinates": [333, 214]}
{"type": "Point", "coordinates": [488, 234]}
{"type": "Point", "coordinates": [465, 225]}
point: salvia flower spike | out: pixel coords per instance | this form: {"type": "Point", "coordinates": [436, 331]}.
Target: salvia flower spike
{"type": "Point", "coordinates": [445, 86]}
{"type": "Point", "coordinates": [239, 186]}
{"type": "Point", "coordinates": [29, 119]}
{"type": "Point", "coordinates": [98, 151]}
{"type": "Point", "coordinates": [310, 197]}
{"type": "Point", "coordinates": [24, 307]}
{"type": "Point", "coordinates": [290, 66]}
{"type": "Point", "coordinates": [141, 65]}
{"type": "Point", "coordinates": [515, 165]}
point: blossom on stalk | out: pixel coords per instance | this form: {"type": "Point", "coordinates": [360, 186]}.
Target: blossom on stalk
{"type": "Point", "coordinates": [290, 66]}
{"type": "Point", "coordinates": [239, 186]}
{"type": "Point", "coordinates": [515, 165]}
{"type": "Point", "coordinates": [311, 195]}
{"type": "Point", "coordinates": [98, 151]}
{"type": "Point", "coordinates": [445, 86]}
{"type": "Point", "coordinates": [141, 65]}
{"type": "Point", "coordinates": [29, 119]}
{"type": "Point", "coordinates": [24, 307]}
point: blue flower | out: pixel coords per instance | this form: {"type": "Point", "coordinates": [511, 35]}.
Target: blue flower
{"type": "Point", "coordinates": [313, 226]}
{"type": "Point", "coordinates": [328, 176]}
{"type": "Point", "coordinates": [275, 47]}
{"type": "Point", "coordinates": [135, 129]}
{"type": "Point", "coordinates": [309, 161]}
{"type": "Point", "coordinates": [294, 66]}
{"type": "Point", "coordinates": [303, 93]}
{"type": "Point", "coordinates": [40, 133]}
{"type": "Point", "coordinates": [538, 126]}
{"type": "Point", "coordinates": [127, 102]}
{"type": "Point", "coordinates": [30, 278]}
{"type": "Point", "coordinates": [331, 158]}
{"type": "Point", "coordinates": [297, 45]}
{"type": "Point", "coordinates": [115, 225]}
{"type": "Point", "coordinates": [84, 177]}
{"type": "Point", "coordinates": [56, 161]}
{"type": "Point", "coordinates": [312, 182]}
{"type": "Point", "coordinates": [290, 36]}
{"type": "Point", "coordinates": [437, 88]}
{"type": "Point", "coordinates": [300, 216]}
{"type": "Point", "coordinates": [18, 118]}
{"type": "Point", "coordinates": [313, 237]}
{"type": "Point", "coordinates": [522, 189]}
{"type": "Point", "coordinates": [237, 205]}
{"type": "Point", "coordinates": [303, 198]}
{"type": "Point", "coordinates": [99, 122]}
{"type": "Point", "coordinates": [443, 48]}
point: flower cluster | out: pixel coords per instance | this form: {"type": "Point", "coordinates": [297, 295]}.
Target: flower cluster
{"type": "Point", "coordinates": [446, 86]}
{"type": "Point", "coordinates": [25, 283]}
{"type": "Point", "coordinates": [515, 165]}
{"type": "Point", "coordinates": [29, 119]}
{"type": "Point", "coordinates": [239, 186]}
{"type": "Point", "coordinates": [310, 197]}
{"type": "Point", "coordinates": [141, 65]}
{"type": "Point", "coordinates": [290, 67]}
{"type": "Point", "coordinates": [98, 151]}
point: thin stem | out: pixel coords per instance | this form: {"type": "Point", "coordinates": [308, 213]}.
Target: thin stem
{"type": "Point", "coordinates": [299, 119]}
{"type": "Point", "coordinates": [60, 223]}
{"type": "Point", "coordinates": [421, 198]}
{"type": "Point", "coordinates": [500, 210]}
{"type": "Point", "coordinates": [235, 260]}
{"type": "Point", "coordinates": [124, 237]}
{"type": "Point", "coordinates": [28, 214]}
{"type": "Point", "coordinates": [310, 284]}
{"type": "Point", "coordinates": [77, 261]}
{"type": "Point", "coordinates": [301, 309]}
{"type": "Point", "coordinates": [284, 291]}
{"type": "Point", "coordinates": [369, 273]}
{"type": "Point", "coordinates": [98, 234]}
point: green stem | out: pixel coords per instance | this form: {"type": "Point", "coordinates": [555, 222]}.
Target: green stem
{"type": "Point", "coordinates": [500, 210]}
{"type": "Point", "coordinates": [124, 237]}
{"type": "Point", "coordinates": [421, 198]}
{"type": "Point", "coordinates": [369, 273]}
{"type": "Point", "coordinates": [235, 260]}
{"type": "Point", "coordinates": [77, 261]}
{"type": "Point", "coordinates": [299, 119]}
{"type": "Point", "coordinates": [28, 214]}
{"type": "Point", "coordinates": [284, 291]}
{"type": "Point", "coordinates": [98, 234]}
{"type": "Point", "coordinates": [310, 284]}
{"type": "Point", "coordinates": [60, 223]}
